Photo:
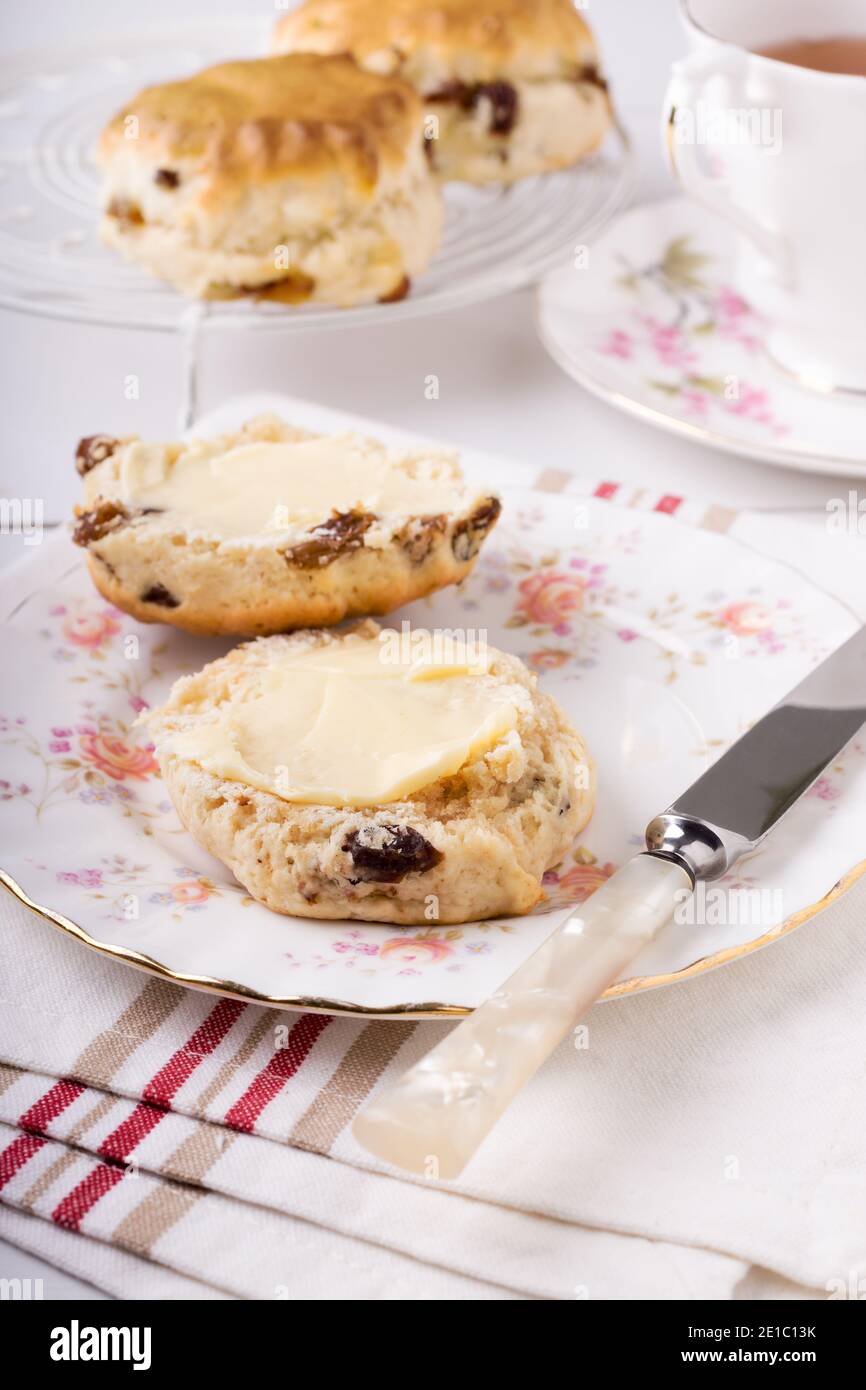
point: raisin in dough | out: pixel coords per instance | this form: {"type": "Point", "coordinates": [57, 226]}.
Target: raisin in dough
{"type": "Point", "coordinates": [162, 564]}
{"type": "Point", "coordinates": [475, 843]}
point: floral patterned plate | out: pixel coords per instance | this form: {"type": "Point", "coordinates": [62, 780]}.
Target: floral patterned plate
{"type": "Point", "coordinates": [652, 323]}
{"type": "Point", "coordinates": [662, 638]}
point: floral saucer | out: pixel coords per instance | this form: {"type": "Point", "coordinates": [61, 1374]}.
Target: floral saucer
{"type": "Point", "coordinates": [662, 634]}
{"type": "Point", "coordinates": [652, 323]}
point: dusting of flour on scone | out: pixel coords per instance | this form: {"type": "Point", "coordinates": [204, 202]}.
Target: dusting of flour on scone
{"type": "Point", "coordinates": [362, 775]}
{"type": "Point", "coordinates": [509, 87]}
{"type": "Point", "coordinates": [299, 178]}
{"type": "Point", "coordinates": [272, 527]}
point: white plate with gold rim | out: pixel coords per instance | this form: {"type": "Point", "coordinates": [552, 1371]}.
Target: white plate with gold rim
{"type": "Point", "coordinates": [662, 637]}
{"type": "Point", "coordinates": [653, 324]}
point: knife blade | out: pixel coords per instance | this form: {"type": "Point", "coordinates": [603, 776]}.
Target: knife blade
{"type": "Point", "coordinates": [729, 810]}
{"type": "Point", "coordinates": [434, 1118]}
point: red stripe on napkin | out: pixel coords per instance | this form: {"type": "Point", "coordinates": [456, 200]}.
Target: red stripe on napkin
{"type": "Point", "coordinates": [49, 1106]}
{"type": "Point", "coordinates": [272, 1078]}
{"type": "Point", "coordinates": [606, 490]}
{"type": "Point", "coordinates": [121, 1142]}
{"type": "Point", "coordinates": [159, 1092]}
{"type": "Point", "coordinates": [206, 1038]}
{"type": "Point", "coordinates": [668, 503]}
{"type": "Point", "coordinates": [76, 1204]}
{"type": "Point", "coordinates": [19, 1152]}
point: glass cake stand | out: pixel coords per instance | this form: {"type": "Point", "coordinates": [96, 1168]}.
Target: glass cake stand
{"type": "Point", "coordinates": [54, 102]}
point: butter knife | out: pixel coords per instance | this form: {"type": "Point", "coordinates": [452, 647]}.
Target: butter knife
{"type": "Point", "coordinates": [433, 1119]}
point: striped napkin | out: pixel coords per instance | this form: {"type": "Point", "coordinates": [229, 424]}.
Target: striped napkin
{"type": "Point", "coordinates": [189, 1146]}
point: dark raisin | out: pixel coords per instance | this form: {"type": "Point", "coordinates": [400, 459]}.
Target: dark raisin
{"type": "Point", "coordinates": [387, 853]}
{"type": "Point", "coordinates": [92, 526]}
{"type": "Point", "coordinates": [400, 291]}
{"type": "Point", "coordinates": [166, 178]}
{"type": "Point", "coordinates": [419, 535]}
{"type": "Point", "coordinates": [340, 534]}
{"type": "Point", "coordinates": [94, 449]}
{"type": "Point", "coordinates": [468, 534]}
{"type": "Point", "coordinates": [126, 211]}
{"type": "Point", "coordinates": [503, 100]}
{"type": "Point", "coordinates": [501, 95]}
{"type": "Point", "coordinates": [158, 593]}
{"type": "Point", "coordinates": [590, 73]}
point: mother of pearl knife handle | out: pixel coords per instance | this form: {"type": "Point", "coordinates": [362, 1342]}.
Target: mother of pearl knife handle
{"type": "Point", "coordinates": [433, 1119]}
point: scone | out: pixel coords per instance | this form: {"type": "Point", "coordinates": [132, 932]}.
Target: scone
{"type": "Point", "coordinates": [390, 777]}
{"type": "Point", "coordinates": [509, 87]}
{"type": "Point", "coordinates": [296, 178]}
{"type": "Point", "coordinates": [272, 527]}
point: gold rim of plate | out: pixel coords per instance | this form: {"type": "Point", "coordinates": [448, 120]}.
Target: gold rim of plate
{"type": "Point", "coordinates": [316, 1004]}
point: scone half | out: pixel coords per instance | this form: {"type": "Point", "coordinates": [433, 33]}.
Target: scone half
{"type": "Point", "coordinates": [297, 179]}
{"type": "Point", "coordinates": [448, 807]}
{"type": "Point", "coordinates": [509, 87]}
{"type": "Point", "coordinates": [271, 527]}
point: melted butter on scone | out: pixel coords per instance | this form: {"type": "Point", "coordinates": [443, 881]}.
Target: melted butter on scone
{"type": "Point", "coordinates": [276, 486]}
{"type": "Point", "coordinates": [351, 723]}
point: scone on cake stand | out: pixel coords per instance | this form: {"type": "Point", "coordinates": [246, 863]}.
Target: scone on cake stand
{"type": "Point", "coordinates": [299, 179]}
{"type": "Point", "coordinates": [375, 776]}
{"type": "Point", "coordinates": [510, 88]}
{"type": "Point", "coordinates": [302, 192]}
{"type": "Point", "coordinates": [272, 527]}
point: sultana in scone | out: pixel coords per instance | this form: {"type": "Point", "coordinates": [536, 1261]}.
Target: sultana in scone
{"type": "Point", "coordinates": [374, 775]}
{"type": "Point", "coordinates": [509, 87]}
{"type": "Point", "coordinates": [272, 527]}
{"type": "Point", "coordinates": [299, 178]}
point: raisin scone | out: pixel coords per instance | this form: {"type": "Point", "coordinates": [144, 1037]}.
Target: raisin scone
{"type": "Point", "coordinates": [299, 178]}
{"type": "Point", "coordinates": [272, 527]}
{"type": "Point", "coordinates": [509, 87]}
{"type": "Point", "coordinates": [375, 775]}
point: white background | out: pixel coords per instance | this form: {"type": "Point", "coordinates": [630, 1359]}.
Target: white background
{"type": "Point", "coordinates": [498, 389]}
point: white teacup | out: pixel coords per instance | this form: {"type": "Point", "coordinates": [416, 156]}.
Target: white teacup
{"type": "Point", "coordinates": [780, 152]}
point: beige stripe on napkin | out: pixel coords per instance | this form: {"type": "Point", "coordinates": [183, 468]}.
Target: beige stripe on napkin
{"type": "Point", "coordinates": [198, 1153]}
{"type": "Point", "coordinates": [8, 1075]}
{"type": "Point", "coordinates": [552, 480]}
{"type": "Point", "coordinates": [93, 1116]}
{"type": "Point", "coordinates": [335, 1105]}
{"type": "Point", "coordinates": [47, 1178]}
{"type": "Point", "coordinates": [102, 1059]}
{"type": "Point", "coordinates": [161, 1209]}
{"type": "Point", "coordinates": [719, 519]}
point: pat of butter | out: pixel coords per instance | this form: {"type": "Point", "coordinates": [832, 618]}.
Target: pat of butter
{"type": "Point", "coordinates": [278, 486]}
{"type": "Point", "coordinates": [350, 724]}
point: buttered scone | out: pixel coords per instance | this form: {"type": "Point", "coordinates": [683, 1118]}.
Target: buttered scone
{"type": "Point", "coordinates": [272, 527]}
{"type": "Point", "coordinates": [509, 87]}
{"type": "Point", "coordinates": [297, 178]}
{"type": "Point", "coordinates": [389, 777]}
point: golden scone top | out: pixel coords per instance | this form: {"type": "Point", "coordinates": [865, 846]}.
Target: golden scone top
{"type": "Point", "coordinates": [427, 41]}
{"type": "Point", "coordinates": [296, 114]}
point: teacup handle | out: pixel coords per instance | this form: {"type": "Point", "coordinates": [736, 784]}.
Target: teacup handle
{"type": "Point", "coordinates": [689, 80]}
